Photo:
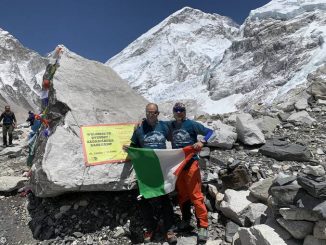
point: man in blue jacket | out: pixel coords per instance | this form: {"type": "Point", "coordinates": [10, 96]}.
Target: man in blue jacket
{"type": "Point", "coordinates": [153, 133]}
{"type": "Point", "coordinates": [184, 132]}
{"type": "Point", "coordinates": [9, 122]}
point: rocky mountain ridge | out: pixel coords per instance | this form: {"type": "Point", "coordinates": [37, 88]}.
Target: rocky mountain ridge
{"type": "Point", "coordinates": [272, 52]}
{"type": "Point", "coordinates": [172, 60]}
{"type": "Point", "coordinates": [249, 178]}
{"type": "Point", "coordinates": [21, 73]}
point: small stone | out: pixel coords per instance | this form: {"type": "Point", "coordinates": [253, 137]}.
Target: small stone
{"type": "Point", "coordinates": [230, 160]}
{"type": "Point", "coordinates": [64, 208]}
{"type": "Point", "coordinates": [320, 229]}
{"type": "Point", "coordinates": [205, 151]}
{"type": "Point", "coordinates": [58, 215]}
{"type": "Point", "coordinates": [320, 151]}
{"type": "Point", "coordinates": [276, 167]}
{"type": "Point", "coordinates": [214, 216]}
{"type": "Point", "coordinates": [3, 240]}
{"type": "Point", "coordinates": [214, 242]}
{"type": "Point", "coordinates": [89, 240]}
{"type": "Point", "coordinates": [321, 102]}
{"type": "Point", "coordinates": [255, 169]}
{"type": "Point", "coordinates": [119, 232]}
{"type": "Point", "coordinates": [314, 170]}
{"type": "Point", "coordinates": [77, 234]}
{"type": "Point", "coordinates": [230, 229]}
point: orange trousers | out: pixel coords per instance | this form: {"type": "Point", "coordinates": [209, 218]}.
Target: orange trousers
{"type": "Point", "coordinates": [189, 189]}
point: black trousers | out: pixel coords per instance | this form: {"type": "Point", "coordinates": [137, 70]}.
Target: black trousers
{"type": "Point", "coordinates": [7, 129]}
{"type": "Point", "coordinates": [155, 208]}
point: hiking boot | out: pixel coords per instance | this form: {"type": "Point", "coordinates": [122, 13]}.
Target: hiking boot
{"type": "Point", "coordinates": [202, 234]}
{"type": "Point", "coordinates": [171, 237]}
{"type": "Point", "coordinates": [185, 225]}
{"type": "Point", "coordinates": [148, 236]}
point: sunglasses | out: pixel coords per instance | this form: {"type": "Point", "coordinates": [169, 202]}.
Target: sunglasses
{"type": "Point", "coordinates": [179, 109]}
{"type": "Point", "coordinates": [152, 112]}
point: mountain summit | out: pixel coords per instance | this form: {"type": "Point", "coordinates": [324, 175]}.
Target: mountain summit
{"type": "Point", "coordinates": [172, 60]}
{"type": "Point", "coordinates": [206, 57]}
{"type": "Point", "coordinates": [21, 72]}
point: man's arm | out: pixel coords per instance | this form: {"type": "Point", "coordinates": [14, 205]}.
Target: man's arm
{"type": "Point", "coordinates": [206, 132]}
{"type": "Point", "coordinates": [13, 118]}
{"type": "Point", "coordinates": [134, 142]}
{"type": "Point", "coordinates": [1, 116]}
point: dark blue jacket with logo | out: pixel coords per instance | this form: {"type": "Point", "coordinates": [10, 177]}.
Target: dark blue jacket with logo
{"type": "Point", "coordinates": [186, 132]}
{"type": "Point", "coordinates": [8, 118]}
{"type": "Point", "coordinates": [146, 136]}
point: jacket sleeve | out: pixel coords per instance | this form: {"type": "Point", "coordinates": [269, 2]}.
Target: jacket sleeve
{"type": "Point", "coordinates": [14, 117]}
{"type": "Point", "coordinates": [135, 140]}
{"type": "Point", "coordinates": [1, 117]}
{"type": "Point", "coordinates": [202, 130]}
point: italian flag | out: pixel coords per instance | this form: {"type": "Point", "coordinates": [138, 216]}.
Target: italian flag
{"type": "Point", "coordinates": [157, 170]}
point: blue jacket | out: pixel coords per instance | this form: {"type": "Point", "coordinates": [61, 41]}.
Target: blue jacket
{"type": "Point", "coordinates": [146, 136]}
{"type": "Point", "coordinates": [186, 133]}
{"type": "Point", "coordinates": [8, 118]}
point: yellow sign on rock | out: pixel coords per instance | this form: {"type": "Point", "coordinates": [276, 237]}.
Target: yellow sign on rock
{"type": "Point", "coordinates": [103, 143]}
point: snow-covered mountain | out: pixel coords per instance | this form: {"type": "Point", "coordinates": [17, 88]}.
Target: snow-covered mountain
{"type": "Point", "coordinates": [206, 57]}
{"type": "Point", "coordinates": [280, 44]}
{"type": "Point", "coordinates": [172, 60]}
{"type": "Point", "coordinates": [21, 72]}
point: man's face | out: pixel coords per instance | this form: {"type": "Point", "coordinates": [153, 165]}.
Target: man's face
{"type": "Point", "coordinates": [7, 108]}
{"type": "Point", "coordinates": [151, 113]}
{"type": "Point", "coordinates": [179, 113]}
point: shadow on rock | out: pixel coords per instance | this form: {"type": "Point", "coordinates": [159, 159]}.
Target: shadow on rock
{"type": "Point", "coordinates": [76, 214]}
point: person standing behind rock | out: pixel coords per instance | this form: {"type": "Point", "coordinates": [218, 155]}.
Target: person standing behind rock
{"type": "Point", "coordinates": [8, 125]}
{"type": "Point", "coordinates": [152, 134]}
{"type": "Point", "coordinates": [188, 185]}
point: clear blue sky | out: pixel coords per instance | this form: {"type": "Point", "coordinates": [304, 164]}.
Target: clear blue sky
{"type": "Point", "coordinates": [99, 29]}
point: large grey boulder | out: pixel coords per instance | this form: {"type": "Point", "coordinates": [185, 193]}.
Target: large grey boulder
{"type": "Point", "coordinates": [225, 135]}
{"type": "Point", "coordinates": [235, 204]}
{"type": "Point", "coordinates": [301, 117]}
{"type": "Point", "coordinates": [84, 93]}
{"type": "Point", "coordinates": [260, 189]}
{"type": "Point", "coordinates": [320, 229]}
{"type": "Point", "coordinates": [10, 183]}
{"type": "Point", "coordinates": [267, 125]}
{"type": "Point", "coordinates": [248, 131]}
{"type": "Point", "coordinates": [260, 235]}
{"type": "Point", "coordinates": [252, 213]}
{"type": "Point", "coordinates": [285, 195]}
{"type": "Point", "coordinates": [299, 229]}
{"type": "Point", "coordinates": [315, 186]}
{"type": "Point", "coordinates": [311, 240]}
{"type": "Point", "coordinates": [317, 83]}
{"type": "Point", "coordinates": [285, 151]}
{"type": "Point", "coordinates": [301, 104]}
{"type": "Point", "coordinates": [299, 214]}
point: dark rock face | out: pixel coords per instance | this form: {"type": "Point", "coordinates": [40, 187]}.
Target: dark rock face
{"type": "Point", "coordinates": [271, 50]}
{"type": "Point", "coordinates": [315, 186]}
{"type": "Point", "coordinates": [285, 151]}
{"type": "Point", "coordinates": [317, 84]}
{"type": "Point", "coordinates": [236, 179]}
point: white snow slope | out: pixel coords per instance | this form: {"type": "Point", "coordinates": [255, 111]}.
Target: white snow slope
{"type": "Point", "coordinates": [194, 55]}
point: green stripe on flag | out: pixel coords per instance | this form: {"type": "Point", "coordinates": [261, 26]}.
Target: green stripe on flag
{"type": "Point", "coordinates": [148, 170]}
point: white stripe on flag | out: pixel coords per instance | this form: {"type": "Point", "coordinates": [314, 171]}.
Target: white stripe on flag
{"type": "Point", "coordinates": [169, 161]}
